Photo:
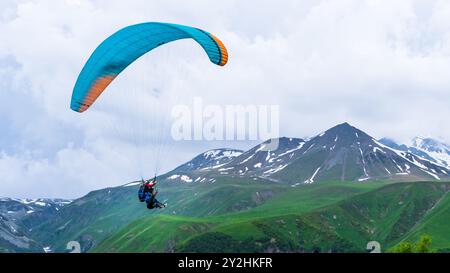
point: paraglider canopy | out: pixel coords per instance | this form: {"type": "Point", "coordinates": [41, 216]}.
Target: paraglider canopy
{"type": "Point", "coordinates": [122, 48]}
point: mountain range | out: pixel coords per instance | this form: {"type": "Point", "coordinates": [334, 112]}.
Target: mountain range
{"type": "Point", "coordinates": [331, 192]}
{"type": "Point", "coordinates": [14, 215]}
{"type": "Point", "coordinates": [342, 153]}
{"type": "Point", "coordinates": [428, 148]}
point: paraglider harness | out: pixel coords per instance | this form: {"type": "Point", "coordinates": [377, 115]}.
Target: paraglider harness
{"type": "Point", "coordinates": [141, 192]}
{"type": "Point", "coordinates": [148, 194]}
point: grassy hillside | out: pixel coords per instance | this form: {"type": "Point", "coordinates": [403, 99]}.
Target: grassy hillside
{"type": "Point", "coordinates": [435, 223]}
{"type": "Point", "coordinates": [94, 217]}
{"type": "Point", "coordinates": [385, 215]}
{"type": "Point", "coordinates": [288, 202]}
{"type": "Point", "coordinates": [333, 217]}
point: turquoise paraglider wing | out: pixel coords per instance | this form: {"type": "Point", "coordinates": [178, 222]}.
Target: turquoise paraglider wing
{"type": "Point", "coordinates": [122, 48]}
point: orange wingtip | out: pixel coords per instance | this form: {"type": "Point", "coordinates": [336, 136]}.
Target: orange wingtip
{"type": "Point", "coordinates": [223, 51]}
{"type": "Point", "coordinates": [97, 88]}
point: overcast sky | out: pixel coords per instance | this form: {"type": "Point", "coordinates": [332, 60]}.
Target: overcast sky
{"type": "Point", "coordinates": [382, 66]}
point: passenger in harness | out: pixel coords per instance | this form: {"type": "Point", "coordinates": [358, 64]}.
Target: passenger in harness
{"type": "Point", "coordinates": [148, 193]}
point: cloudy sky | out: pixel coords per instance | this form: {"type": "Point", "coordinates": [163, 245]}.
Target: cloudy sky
{"type": "Point", "coordinates": [382, 66]}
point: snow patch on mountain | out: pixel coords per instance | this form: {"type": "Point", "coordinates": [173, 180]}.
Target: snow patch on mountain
{"type": "Point", "coordinates": [275, 170]}
{"type": "Point", "coordinates": [186, 178]}
{"type": "Point", "coordinates": [435, 148]}
{"type": "Point", "coordinates": [209, 160]}
{"type": "Point", "coordinates": [132, 184]}
{"type": "Point", "coordinates": [311, 179]}
{"type": "Point", "coordinates": [292, 150]}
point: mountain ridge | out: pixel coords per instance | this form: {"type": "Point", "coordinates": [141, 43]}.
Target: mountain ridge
{"type": "Point", "coordinates": [342, 152]}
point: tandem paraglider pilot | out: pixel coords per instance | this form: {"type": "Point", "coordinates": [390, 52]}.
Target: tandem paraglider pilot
{"type": "Point", "coordinates": [148, 193]}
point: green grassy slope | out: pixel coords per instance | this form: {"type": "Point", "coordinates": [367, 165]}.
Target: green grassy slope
{"type": "Point", "coordinates": [435, 223]}
{"type": "Point", "coordinates": [287, 202]}
{"type": "Point", "coordinates": [386, 214]}
{"type": "Point", "coordinates": [333, 217]}
{"type": "Point", "coordinates": [94, 217]}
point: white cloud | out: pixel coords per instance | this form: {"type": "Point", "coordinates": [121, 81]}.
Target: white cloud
{"type": "Point", "coordinates": [380, 65]}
